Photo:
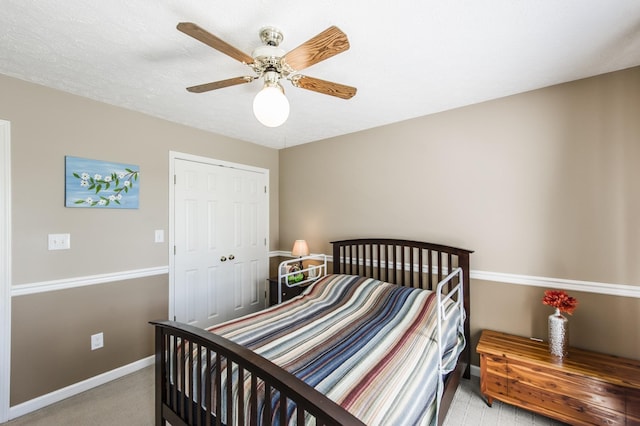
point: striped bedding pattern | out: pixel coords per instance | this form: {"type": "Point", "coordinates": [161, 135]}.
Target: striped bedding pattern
{"type": "Point", "coordinates": [367, 345]}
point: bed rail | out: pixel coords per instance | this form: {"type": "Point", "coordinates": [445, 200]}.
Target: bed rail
{"type": "Point", "coordinates": [289, 270]}
{"type": "Point", "coordinates": [195, 407]}
{"type": "Point", "coordinates": [455, 296]}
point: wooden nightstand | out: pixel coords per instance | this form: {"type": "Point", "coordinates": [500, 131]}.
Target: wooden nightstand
{"type": "Point", "coordinates": [583, 388]}
{"type": "Point", "coordinates": [287, 292]}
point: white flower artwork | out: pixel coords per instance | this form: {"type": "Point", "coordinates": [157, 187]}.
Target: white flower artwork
{"type": "Point", "coordinates": [101, 184]}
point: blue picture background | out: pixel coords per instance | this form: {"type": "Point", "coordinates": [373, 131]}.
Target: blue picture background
{"type": "Point", "coordinates": [101, 184]}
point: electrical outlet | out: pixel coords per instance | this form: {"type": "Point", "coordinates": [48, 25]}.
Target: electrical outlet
{"type": "Point", "coordinates": [59, 241]}
{"type": "Point", "coordinates": [97, 341]}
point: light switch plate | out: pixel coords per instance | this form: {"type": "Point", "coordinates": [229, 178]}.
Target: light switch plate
{"type": "Point", "coordinates": [97, 341]}
{"type": "Point", "coordinates": [59, 241]}
{"type": "Point", "coordinates": [159, 236]}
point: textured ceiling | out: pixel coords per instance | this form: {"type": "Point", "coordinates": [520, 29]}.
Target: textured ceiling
{"type": "Point", "coordinates": [408, 58]}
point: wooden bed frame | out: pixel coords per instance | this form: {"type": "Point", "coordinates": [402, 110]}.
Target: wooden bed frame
{"type": "Point", "coordinates": [402, 262]}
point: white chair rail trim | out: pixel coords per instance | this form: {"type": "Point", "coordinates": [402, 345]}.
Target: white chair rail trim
{"type": "Point", "coordinates": [559, 283]}
{"type": "Point", "coordinates": [66, 283]}
{"type": "Point", "coordinates": [609, 289]}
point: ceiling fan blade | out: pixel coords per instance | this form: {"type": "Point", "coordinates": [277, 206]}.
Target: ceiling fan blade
{"type": "Point", "coordinates": [193, 30]}
{"type": "Point", "coordinates": [220, 84]}
{"type": "Point", "coordinates": [328, 43]}
{"type": "Point", "coordinates": [324, 87]}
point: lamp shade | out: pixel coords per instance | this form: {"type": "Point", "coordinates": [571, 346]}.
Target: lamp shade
{"type": "Point", "coordinates": [300, 248]}
{"type": "Point", "coordinates": [270, 106]}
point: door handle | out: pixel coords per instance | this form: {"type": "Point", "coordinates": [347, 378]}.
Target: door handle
{"type": "Point", "coordinates": [231, 257]}
{"type": "Point", "coordinates": [223, 259]}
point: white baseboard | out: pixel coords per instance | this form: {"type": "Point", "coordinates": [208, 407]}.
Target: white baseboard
{"type": "Point", "coordinates": [60, 394]}
{"type": "Point", "coordinates": [475, 371]}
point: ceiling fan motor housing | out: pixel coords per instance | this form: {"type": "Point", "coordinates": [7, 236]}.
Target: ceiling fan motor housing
{"type": "Point", "coordinates": [271, 36]}
{"type": "Point", "coordinates": [269, 56]}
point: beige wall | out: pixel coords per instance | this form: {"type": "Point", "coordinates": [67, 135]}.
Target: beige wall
{"type": "Point", "coordinates": [46, 125]}
{"type": "Point", "coordinates": [540, 184]}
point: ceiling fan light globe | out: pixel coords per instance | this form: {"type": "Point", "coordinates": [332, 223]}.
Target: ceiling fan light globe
{"type": "Point", "coordinates": [271, 107]}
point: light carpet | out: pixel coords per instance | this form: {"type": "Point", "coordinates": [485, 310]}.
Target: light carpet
{"type": "Point", "coordinates": [128, 401]}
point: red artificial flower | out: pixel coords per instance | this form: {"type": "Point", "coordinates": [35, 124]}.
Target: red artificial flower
{"type": "Point", "coordinates": [560, 300]}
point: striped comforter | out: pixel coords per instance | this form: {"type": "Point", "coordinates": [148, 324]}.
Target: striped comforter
{"type": "Point", "coordinates": [367, 345]}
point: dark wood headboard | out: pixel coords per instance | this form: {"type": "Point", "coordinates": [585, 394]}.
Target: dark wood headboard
{"type": "Point", "coordinates": [403, 262]}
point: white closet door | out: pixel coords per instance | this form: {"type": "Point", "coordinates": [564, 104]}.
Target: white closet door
{"type": "Point", "coordinates": [248, 252]}
{"type": "Point", "coordinates": [221, 253]}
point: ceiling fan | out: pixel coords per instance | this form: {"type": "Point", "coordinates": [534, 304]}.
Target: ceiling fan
{"type": "Point", "coordinates": [272, 63]}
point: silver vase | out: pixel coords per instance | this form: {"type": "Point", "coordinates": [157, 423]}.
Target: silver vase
{"type": "Point", "coordinates": [558, 334]}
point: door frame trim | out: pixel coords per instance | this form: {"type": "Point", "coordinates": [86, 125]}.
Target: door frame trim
{"type": "Point", "coordinates": [173, 156]}
{"type": "Point", "coordinates": [5, 269]}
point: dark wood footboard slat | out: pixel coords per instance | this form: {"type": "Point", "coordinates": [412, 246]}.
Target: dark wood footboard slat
{"type": "Point", "coordinates": [189, 360]}
{"type": "Point", "coordinates": [229, 390]}
{"type": "Point", "coordinates": [207, 388]}
{"type": "Point", "coordinates": [174, 362]}
{"type": "Point", "coordinates": [218, 387]}
{"type": "Point", "coordinates": [267, 409]}
{"type": "Point", "coordinates": [241, 406]}
{"type": "Point", "coordinates": [254, 400]}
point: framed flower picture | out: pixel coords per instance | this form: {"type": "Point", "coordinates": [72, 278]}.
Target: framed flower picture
{"type": "Point", "coordinates": [101, 184]}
